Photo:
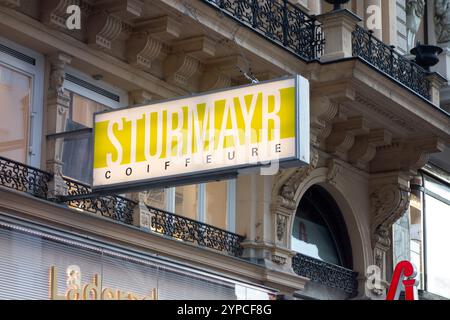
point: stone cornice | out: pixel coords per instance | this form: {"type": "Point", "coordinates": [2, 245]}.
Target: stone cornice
{"type": "Point", "coordinates": [52, 39]}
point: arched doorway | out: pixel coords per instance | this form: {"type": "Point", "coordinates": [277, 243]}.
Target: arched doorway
{"type": "Point", "coordinates": [319, 230]}
{"type": "Point", "coordinates": [322, 243]}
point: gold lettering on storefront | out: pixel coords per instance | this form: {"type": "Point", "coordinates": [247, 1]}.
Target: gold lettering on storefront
{"type": "Point", "coordinates": [93, 291]}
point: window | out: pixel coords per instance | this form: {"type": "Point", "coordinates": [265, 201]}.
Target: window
{"type": "Point", "coordinates": [216, 204]}
{"type": "Point", "coordinates": [186, 201]}
{"type": "Point", "coordinates": [319, 230]}
{"type": "Point", "coordinates": [437, 237]}
{"type": "Point", "coordinates": [21, 96]}
{"type": "Point", "coordinates": [212, 203]}
{"type": "Point", "coordinates": [428, 229]}
{"type": "Point", "coordinates": [87, 96]}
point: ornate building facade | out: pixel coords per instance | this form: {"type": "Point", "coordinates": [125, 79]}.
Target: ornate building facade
{"type": "Point", "coordinates": [376, 118]}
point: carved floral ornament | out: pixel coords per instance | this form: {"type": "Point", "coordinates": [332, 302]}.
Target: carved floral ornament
{"type": "Point", "coordinates": [442, 20]}
{"type": "Point", "coordinates": [286, 193]}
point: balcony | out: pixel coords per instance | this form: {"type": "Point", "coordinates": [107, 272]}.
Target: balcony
{"type": "Point", "coordinates": [189, 230]}
{"type": "Point", "coordinates": [301, 34]}
{"type": "Point", "coordinates": [115, 207]}
{"type": "Point", "coordinates": [279, 21]}
{"type": "Point", "coordinates": [15, 175]}
{"type": "Point", "coordinates": [385, 59]}
{"type": "Point", "coordinates": [326, 274]}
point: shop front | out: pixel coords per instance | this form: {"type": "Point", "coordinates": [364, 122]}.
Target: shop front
{"type": "Point", "coordinates": [42, 263]}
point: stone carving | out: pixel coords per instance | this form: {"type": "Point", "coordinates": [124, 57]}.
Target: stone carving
{"type": "Point", "coordinates": [442, 20]}
{"type": "Point", "coordinates": [214, 79]}
{"type": "Point", "coordinates": [334, 171]}
{"type": "Point", "coordinates": [180, 68]}
{"type": "Point", "coordinates": [389, 202]}
{"type": "Point", "coordinates": [415, 10]}
{"type": "Point", "coordinates": [285, 191]}
{"type": "Point", "coordinates": [278, 259]}
{"type": "Point", "coordinates": [104, 28]}
{"type": "Point", "coordinates": [57, 71]}
{"type": "Point", "coordinates": [142, 50]}
{"type": "Point", "coordinates": [281, 226]}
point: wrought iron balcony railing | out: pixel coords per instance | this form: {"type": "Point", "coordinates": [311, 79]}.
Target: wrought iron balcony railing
{"type": "Point", "coordinates": [279, 21]}
{"type": "Point", "coordinates": [112, 206]}
{"type": "Point", "coordinates": [24, 178]}
{"type": "Point", "coordinates": [18, 176]}
{"type": "Point", "coordinates": [189, 230]}
{"type": "Point", "coordinates": [385, 59]}
{"type": "Point", "coordinates": [326, 273]}
{"type": "Point", "coordinates": [288, 26]}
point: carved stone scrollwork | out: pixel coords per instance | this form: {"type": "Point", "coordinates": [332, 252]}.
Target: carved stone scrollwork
{"type": "Point", "coordinates": [321, 115]}
{"type": "Point", "coordinates": [286, 198]}
{"type": "Point", "coordinates": [214, 79]}
{"type": "Point", "coordinates": [54, 12]}
{"type": "Point", "coordinates": [142, 50]}
{"type": "Point", "coordinates": [180, 68]}
{"type": "Point", "coordinates": [103, 29]}
{"type": "Point", "coordinates": [278, 259]}
{"type": "Point", "coordinates": [389, 202]}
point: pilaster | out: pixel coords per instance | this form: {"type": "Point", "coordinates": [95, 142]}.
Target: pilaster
{"type": "Point", "coordinates": [58, 102]}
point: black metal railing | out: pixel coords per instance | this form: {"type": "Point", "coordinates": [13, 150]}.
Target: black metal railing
{"type": "Point", "coordinates": [279, 21]}
{"type": "Point", "coordinates": [387, 60]}
{"type": "Point", "coordinates": [21, 177]}
{"type": "Point", "coordinates": [111, 206]}
{"type": "Point", "coordinates": [189, 230]}
{"type": "Point", "coordinates": [18, 176]}
{"type": "Point", "coordinates": [326, 273]}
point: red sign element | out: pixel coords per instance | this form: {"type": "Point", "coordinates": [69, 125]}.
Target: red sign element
{"type": "Point", "coordinates": [404, 269]}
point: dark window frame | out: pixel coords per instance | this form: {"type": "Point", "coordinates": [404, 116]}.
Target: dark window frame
{"type": "Point", "coordinates": [322, 201]}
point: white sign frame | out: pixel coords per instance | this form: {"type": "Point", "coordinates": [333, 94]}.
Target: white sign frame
{"type": "Point", "coordinates": [302, 144]}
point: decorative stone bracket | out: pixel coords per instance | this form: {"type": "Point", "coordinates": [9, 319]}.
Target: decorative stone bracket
{"type": "Point", "coordinates": [389, 201]}
{"type": "Point", "coordinates": [179, 68]}
{"type": "Point", "coordinates": [142, 50]}
{"type": "Point", "coordinates": [103, 28]}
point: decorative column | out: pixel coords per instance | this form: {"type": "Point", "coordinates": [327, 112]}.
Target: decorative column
{"type": "Point", "coordinates": [58, 102]}
{"type": "Point", "coordinates": [389, 200]}
{"type": "Point", "coordinates": [337, 27]}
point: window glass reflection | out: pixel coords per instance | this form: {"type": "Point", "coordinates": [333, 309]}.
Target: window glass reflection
{"type": "Point", "coordinates": [15, 90]}
{"type": "Point", "coordinates": [216, 204]}
{"type": "Point", "coordinates": [77, 155]}
{"type": "Point", "coordinates": [437, 240]}
{"type": "Point", "coordinates": [311, 235]}
{"type": "Point", "coordinates": [186, 198]}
